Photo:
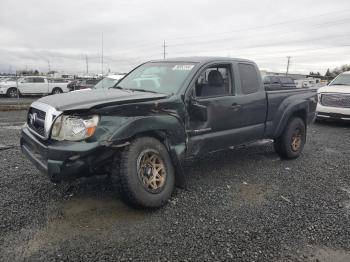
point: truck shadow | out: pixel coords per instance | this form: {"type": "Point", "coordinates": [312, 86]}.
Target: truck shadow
{"type": "Point", "coordinates": [332, 123]}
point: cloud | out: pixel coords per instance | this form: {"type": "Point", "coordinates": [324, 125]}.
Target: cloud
{"type": "Point", "coordinates": [315, 33]}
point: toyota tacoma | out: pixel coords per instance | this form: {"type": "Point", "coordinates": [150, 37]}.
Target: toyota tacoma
{"type": "Point", "coordinates": [141, 130]}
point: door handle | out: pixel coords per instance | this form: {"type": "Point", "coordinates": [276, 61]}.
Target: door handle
{"type": "Point", "coordinates": [236, 106]}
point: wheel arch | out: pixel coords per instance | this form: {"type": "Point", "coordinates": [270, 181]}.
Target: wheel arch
{"type": "Point", "coordinates": [167, 129]}
{"type": "Point", "coordinates": [298, 110]}
{"type": "Point", "coordinates": [56, 87]}
{"type": "Point", "coordinates": [13, 87]}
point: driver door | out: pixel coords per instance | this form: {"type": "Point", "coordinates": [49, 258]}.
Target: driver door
{"type": "Point", "coordinates": [213, 110]}
{"type": "Point", "coordinates": [26, 86]}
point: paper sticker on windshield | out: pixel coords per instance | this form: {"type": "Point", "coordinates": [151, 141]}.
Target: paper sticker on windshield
{"type": "Point", "coordinates": [183, 67]}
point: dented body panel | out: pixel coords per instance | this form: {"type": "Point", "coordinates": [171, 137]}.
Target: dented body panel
{"type": "Point", "coordinates": [188, 126]}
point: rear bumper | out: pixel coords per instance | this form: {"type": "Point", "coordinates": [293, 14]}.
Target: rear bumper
{"type": "Point", "coordinates": [64, 160]}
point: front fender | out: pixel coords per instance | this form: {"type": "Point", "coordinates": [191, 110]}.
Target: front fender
{"type": "Point", "coordinates": [168, 124]}
{"type": "Point", "coordinates": [118, 130]}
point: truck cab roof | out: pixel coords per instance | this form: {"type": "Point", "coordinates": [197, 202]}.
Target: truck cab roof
{"type": "Point", "coordinates": [202, 59]}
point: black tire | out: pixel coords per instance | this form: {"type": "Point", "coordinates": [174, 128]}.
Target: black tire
{"type": "Point", "coordinates": [291, 143]}
{"type": "Point", "coordinates": [132, 187]}
{"type": "Point", "coordinates": [12, 92]}
{"type": "Point", "coordinates": [57, 91]}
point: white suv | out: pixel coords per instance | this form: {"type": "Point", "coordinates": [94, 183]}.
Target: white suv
{"type": "Point", "coordinates": [334, 99]}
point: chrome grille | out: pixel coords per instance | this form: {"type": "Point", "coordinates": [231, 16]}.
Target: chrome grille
{"type": "Point", "coordinates": [40, 118]}
{"type": "Point", "coordinates": [336, 100]}
{"type": "Point", "coordinates": [36, 120]}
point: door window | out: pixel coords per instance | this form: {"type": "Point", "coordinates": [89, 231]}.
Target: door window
{"type": "Point", "coordinates": [28, 80]}
{"type": "Point", "coordinates": [39, 80]}
{"type": "Point", "coordinates": [214, 81]}
{"type": "Point", "coordinates": [286, 80]}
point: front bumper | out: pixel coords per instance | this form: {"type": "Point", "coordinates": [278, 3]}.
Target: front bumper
{"type": "Point", "coordinates": [63, 160]}
{"type": "Point", "coordinates": [337, 113]}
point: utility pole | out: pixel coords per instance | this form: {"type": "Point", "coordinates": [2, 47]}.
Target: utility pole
{"type": "Point", "coordinates": [48, 63]}
{"type": "Point", "coordinates": [288, 62]}
{"type": "Point", "coordinates": [87, 64]}
{"type": "Point", "coordinates": [164, 49]}
{"type": "Point", "coordinates": [102, 56]}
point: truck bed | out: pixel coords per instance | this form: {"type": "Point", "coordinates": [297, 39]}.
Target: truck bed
{"type": "Point", "coordinates": [280, 103]}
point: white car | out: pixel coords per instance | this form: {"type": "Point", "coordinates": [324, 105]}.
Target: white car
{"type": "Point", "coordinates": [334, 99]}
{"type": "Point", "coordinates": [32, 85]}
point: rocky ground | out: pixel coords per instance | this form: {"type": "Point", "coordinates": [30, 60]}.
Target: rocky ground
{"type": "Point", "coordinates": [244, 204]}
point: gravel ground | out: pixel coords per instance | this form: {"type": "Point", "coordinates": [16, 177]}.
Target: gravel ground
{"type": "Point", "coordinates": [243, 204]}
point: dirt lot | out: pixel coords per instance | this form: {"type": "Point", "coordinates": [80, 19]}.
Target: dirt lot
{"type": "Point", "coordinates": [243, 204]}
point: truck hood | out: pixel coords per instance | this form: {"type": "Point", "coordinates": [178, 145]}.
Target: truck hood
{"type": "Point", "coordinates": [334, 89]}
{"type": "Point", "coordinates": [97, 98]}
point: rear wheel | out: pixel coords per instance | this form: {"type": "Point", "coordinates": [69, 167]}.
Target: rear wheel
{"type": "Point", "coordinates": [56, 91]}
{"type": "Point", "coordinates": [12, 92]}
{"type": "Point", "coordinates": [291, 143]}
{"type": "Point", "coordinates": [146, 177]}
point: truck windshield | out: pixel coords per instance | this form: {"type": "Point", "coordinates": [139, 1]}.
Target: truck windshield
{"type": "Point", "coordinates": [341, 80]}
{"type": "Point", "coordinates": [157, 77]}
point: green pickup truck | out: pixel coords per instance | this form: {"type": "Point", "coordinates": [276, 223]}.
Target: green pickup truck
{"type": "Point", "coordinates": [141, 131]}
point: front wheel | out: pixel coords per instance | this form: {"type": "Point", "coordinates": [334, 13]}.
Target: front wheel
{"type": "Point", "coordinates": [291, 143]}
{"type": "Point", "coordinates": [12, 92]}
{"type": "Point", "coordinates": [146, 177]}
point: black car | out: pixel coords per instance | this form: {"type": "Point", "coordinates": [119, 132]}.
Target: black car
{"type": "Point", "coordinates": [82, 84]}
{"type": "Point", "coordinates": [273, 82]}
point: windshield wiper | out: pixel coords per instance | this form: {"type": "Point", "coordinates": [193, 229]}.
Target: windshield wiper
{"type": "Point", "coordinates": [117, 87]}
{"type": "Point", "coordinates": [143, 90]}
{"type": "Point", "coordinates": [339, 84]}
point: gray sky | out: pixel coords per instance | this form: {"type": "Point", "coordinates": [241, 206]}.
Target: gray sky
{"type": "Point", "coordinates": [315, 33]}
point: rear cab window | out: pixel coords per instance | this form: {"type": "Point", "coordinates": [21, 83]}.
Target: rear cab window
{"type": "Point", "coordinates": [249, 78]}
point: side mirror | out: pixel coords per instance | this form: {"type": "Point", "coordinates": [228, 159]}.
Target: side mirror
{"type": "Point", "coordinates": [197, 111]}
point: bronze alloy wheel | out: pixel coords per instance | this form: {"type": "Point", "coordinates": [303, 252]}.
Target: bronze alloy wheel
{"type": "Point", "coordinates": [151, 170]}
{"type": "Point", "coordinates": [296, 140]}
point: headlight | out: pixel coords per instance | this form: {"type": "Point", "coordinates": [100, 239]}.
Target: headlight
{"type": "Point", "coordinates": [74, 128]}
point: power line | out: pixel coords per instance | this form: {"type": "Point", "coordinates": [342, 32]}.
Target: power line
{"type": "Point", "coordinates": [153, 44]}
{"type": "Point", "coordinates": [268, 25]}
